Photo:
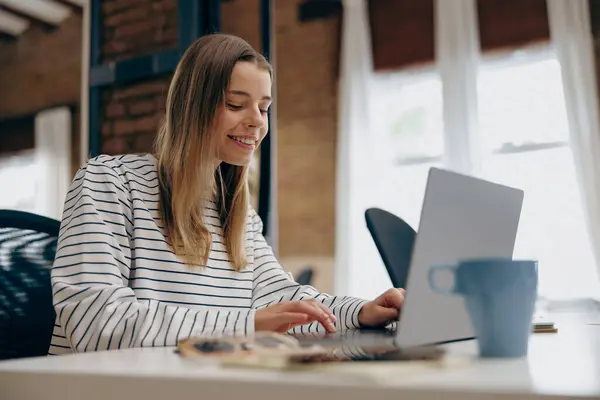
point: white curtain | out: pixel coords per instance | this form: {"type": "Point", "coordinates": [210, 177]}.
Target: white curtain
{"type": "Point", "coordinates": [457, 58]}
{"type": "Point", "coordinates": [572, 39]}
{"type": "Point", "coordinates": [53, 159]}
{"type": "Point", "coordinates": [356, 165]}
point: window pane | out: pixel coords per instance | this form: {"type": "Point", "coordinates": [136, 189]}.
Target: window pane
{"type": "Point", "coordinates": [408, 120]}
{"type": "Point", "coordinates": [522, 110]}
{"type": "Point", "coordinates": [411, 106]}
{"type": "Point", "coordinates": [522, 103]}
{"type": "Point", "coordinates": [404, 190]}
{"type": "Point", "coordinates": [19, 172]}
{"type": "Point", "coordinates": [552, 227]}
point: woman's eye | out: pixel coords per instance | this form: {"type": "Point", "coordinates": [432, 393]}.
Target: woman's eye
{"type": "Point", "coordinates": [234, 107]}
{"type": "Point", "coordinates": [264, 111]}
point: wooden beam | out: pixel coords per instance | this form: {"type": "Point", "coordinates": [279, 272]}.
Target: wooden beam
{"type": "Point", "coordinates": [32, 21]}
{"type": "Point", "coordinates": [12, 24]}
{"type": "Point", "coordinates": [78, 3]}
{"type": "Point", "coordinates": [311, 10]}
{"type": "Point", "coordinates": [73, 5]}
{"type": "Point", "coordinates": [46, 11]}
{"type": "Point", "coordinates": [6, 38]}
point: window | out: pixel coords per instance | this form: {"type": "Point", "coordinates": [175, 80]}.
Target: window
{"type": "Point", "coordinates": [18, 171]}
{"type": "Point", "coordinates": [39, 175]}
{"type": "Point", "coordinates": [523, 123]}
{"type": "Point", "coordinates": [409, 107]}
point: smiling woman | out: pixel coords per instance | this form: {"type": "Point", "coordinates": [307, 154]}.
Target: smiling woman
{"type": "Point", "coordinates": [244, 121]}
{"type": "Point", "coordinates": [156, 248]}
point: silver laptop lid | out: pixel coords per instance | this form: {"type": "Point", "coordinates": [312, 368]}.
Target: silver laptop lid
{"type": "Point", "coordinates": [462, 217]}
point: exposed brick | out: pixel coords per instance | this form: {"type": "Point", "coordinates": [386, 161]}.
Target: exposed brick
{"type": "Point", "coordinates": [306, 124]}
{"type": "Point", "coordinates": [148, 124]}
{"type": "Point", "coordinates": [142, 107]}
{"type": "Point", "coordinates": [242, 18]}
{"type": "Point", "coordinates": [115, 110]}
{"type": "Point", "coordinates": [165, 5]}
{"type": "Point", "coordinates": [152, 88]}
{"type": "Point", "coordinates": [161, 102]}
{"type": "Point", "coordinates": [134, 28]}
{"type": "Point", "coordinates": [141, 125]}
{"type": "Point", "coordinates": [143, 143]}
{"type": "Point", "coordinates": [110, 6]}
{"type": "Point", "coordinates": [124, 127]}
{"type": "Point", "coordinates": [107, 128]}
{"type": "Point", "coordinates": [125, 16]}
{"type": "Point", "coordinates": [114, 146]}
{"type": "Point", "coordinates": [167, 35]}
{"type": "Point", "coordinates": [114, 47]}
{"type": "Point", "coordinates": [139, 26]}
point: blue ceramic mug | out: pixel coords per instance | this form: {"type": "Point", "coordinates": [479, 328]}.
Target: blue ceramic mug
{"type": "Point", "coordinates": [500, 296]}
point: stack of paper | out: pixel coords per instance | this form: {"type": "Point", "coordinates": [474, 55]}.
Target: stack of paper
{"type": "Point", "coordinates": [541, 324]}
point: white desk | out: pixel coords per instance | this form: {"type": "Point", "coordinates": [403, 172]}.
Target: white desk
{"type": "Point", "coordinates": [563, 365]}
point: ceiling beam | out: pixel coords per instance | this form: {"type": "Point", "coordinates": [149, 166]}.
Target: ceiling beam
{"type": "Point", "coordinates": [310, 10]}
{"type": "Point", "coordinates": [75, 4]}
{"type": "Point", "coordinates": [12, 24]}
{"type": "Point", "coordinates": [46, 11]}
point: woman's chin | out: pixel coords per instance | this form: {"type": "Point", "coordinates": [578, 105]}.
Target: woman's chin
{"type": "Point", "coordinates": [238, 162]}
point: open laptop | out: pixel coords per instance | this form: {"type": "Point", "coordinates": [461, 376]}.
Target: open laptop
{"type": "Point", "coordinates": [462, 217]}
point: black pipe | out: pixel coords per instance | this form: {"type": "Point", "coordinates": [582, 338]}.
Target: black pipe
{"type": "Point", "coordinates": [267, 203]}
{"type": "Point", "coordinates": [94, 106]}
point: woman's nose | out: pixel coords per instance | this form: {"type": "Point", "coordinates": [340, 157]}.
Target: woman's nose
{"type": "Point", "coordinates": [255, 119]}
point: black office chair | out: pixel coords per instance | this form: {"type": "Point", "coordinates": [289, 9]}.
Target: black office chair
{"type": "Point", "coordinates": [305, 277]}
{"type": "Point", "coordinates": [394, 239]}
{"type": "Point", "coordinates": [27, 251]}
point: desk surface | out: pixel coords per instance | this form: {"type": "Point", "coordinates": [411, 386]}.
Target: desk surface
{"type": "Point", "coordinates": [562, 365]}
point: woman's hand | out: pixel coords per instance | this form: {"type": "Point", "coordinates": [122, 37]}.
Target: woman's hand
{"type": "Point", "coordinates": [383, 310]}
{"type": "Point", "coordinates": [284, 316]}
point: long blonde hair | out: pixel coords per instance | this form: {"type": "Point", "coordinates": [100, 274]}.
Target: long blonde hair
{"type": "Point", "coordinates": [186, 150]}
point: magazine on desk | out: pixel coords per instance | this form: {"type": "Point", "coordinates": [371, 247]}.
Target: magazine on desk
{"type": "Point", "coordinates": [543, 324]}
{"type": "Point", "coordinates": [279, 351]}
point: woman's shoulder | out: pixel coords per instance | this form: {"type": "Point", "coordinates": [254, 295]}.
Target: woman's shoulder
{"type": "Point", "coordinates": [126, 166]}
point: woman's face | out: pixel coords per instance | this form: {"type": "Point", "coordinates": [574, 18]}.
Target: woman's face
{"type": "Point", "coordinates": [241, 123]}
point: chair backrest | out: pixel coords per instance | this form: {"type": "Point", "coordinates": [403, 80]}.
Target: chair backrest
{"type": "Point", "coordinates": [305, 277]}
{"type": "Point", "coordinates": [394, 239]}
{"type": "Point", "coordinates": [27, 251]}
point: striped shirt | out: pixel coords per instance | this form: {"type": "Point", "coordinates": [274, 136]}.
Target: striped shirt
{"type": "Point", "coordinates": [116, 283]}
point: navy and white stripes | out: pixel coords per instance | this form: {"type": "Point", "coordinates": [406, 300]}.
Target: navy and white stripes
{"type": "Point", "coordinates": [116, 283]}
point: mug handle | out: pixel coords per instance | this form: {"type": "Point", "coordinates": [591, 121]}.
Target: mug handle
{"type": "Point", "coordinates": [434, 270]}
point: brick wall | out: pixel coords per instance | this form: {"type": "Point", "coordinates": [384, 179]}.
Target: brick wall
{"type": "Point", "coordinates": [306, 84]}
{"type": "Point", "coordinates": [130, 116]}
{"type": "Point", "coordinates": [131, 28]}
{"type": "Point", "coordinates": [137, 27]}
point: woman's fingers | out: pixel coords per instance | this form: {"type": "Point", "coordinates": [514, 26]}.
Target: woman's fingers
{"type": "Point", "coordinates": [313, 309]}
{"type": "Point", "coordinates": [289, 320]}
{"type": "Point", "coordinates": [327, 310]}
{"type": "Point", "coordinates": [286, 315]}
